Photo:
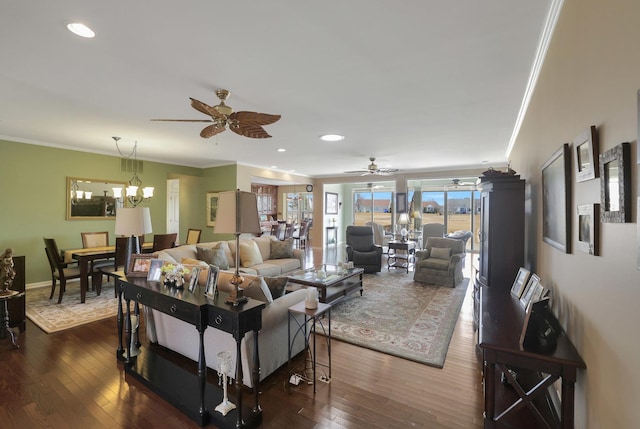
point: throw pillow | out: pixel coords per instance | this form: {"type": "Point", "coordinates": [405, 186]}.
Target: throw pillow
{"type": "Point", "coordinates": [213, 256]}
{"type": "Point", "coordinates": [277, 286]}
{"type": "Point", "coordinates": [282, 249]}
{"type": "Point", "coordinates": [441, 252]}
{"type": "Point", "coordinates": [250, 254]}
{"type": "Point", "coordinates": [257, 289]}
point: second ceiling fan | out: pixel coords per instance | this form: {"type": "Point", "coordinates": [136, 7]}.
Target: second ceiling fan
{"type": "Point", "coordinates": [374, 169]}
{"type": "Point", "coordinates": [247, 124]}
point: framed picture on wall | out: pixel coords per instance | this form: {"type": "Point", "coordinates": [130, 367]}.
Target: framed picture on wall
{"type": "Point", "coordinates": [615, 184]}
{"type": "Point", "coordinates": [589, 229]}
{"type": "Point", "coordinates": [212, 208]}
{"type": "Point", "coordinates": [586, 148]}
{"type": "Point", "coordinates": [401, 202]}
{"type": "Point", "coordinates": [330, 203]}
{"type": "Point", "coordinates": [556, 199]}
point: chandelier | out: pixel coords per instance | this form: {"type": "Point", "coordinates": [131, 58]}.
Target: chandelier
{"type": "Point", "coordinates": [134, 193]}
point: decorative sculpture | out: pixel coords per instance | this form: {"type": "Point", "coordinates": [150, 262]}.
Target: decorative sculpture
{"type": "Point", "coordinates": [7, 272]}
{"type": "Point", "coordinates": [224, 368]}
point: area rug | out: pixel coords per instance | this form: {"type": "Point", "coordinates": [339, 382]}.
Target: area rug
{"type": "Point", "coordinates": [53, 317]}
{"type": "Point", "coordinates": [400, 317]}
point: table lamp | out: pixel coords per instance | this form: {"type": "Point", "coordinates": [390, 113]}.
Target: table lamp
{"type": "Point", "coordinates": [403, 220]}
{"type": "Point", "coordinates": [132, 222]}
{"type": "Point", "coordinates": [237, 213]}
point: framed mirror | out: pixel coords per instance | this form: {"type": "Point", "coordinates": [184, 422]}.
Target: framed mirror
{"type": "Point", "coordinates": [615, 184]}
{"type": "Point", "coordinates": [89, 199]}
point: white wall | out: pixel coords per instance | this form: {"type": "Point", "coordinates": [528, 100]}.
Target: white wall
{"type": "Point", "coordinates": [590, 77]}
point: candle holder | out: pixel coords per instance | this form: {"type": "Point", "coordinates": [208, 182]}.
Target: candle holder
{"type": "Point", "coordinates": [224, 368]}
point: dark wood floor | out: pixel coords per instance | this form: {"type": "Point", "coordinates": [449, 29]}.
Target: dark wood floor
{"type": "Point", "coordinates": [71, 379]}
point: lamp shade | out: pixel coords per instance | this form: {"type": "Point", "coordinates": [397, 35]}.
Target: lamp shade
{"type": "Point", "coordinates": [133, 221]}
{"type": "Point", "coordinates": [403, 219]}
{"type": "Point", "coordinates": [237, 213]}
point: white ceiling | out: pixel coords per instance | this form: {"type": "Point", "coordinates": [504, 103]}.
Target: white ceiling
{"type": "Point", "coordinates": [419, 84]}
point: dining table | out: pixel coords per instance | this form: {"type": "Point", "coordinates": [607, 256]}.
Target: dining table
{"type": "Point", "coordinates": [84, 256]}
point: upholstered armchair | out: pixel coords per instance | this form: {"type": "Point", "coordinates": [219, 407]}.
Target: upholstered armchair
{"type": "Point", "coordinates": [440, 263]}
{"type": "Point", "coordinates": [380, 236]}
{"type": "Point", "coordinates": [362, 250]}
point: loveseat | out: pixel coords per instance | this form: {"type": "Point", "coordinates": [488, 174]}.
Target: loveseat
{"type": "Point", "coordinates": [262, 281]}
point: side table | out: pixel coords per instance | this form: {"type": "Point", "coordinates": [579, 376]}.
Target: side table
{"type": "Point", "coordinates": [5, 297]}
{"type": "Point", "coordinates": [401, 254]}
{"type": "Point", "coordinates": [308, 328]}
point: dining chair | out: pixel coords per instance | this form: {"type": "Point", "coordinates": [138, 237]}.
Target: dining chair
{"type": "Point", "coordinates": [276, 228]}
{"type": "Point", "coordinates": [300, 236]}
{"type": "Point", "coordinates": [164, 241]}
{"type": "Point", "coordinates": [60, 271]}
{"type": "Point", "coordinates": [118, 263]}
{"type": "Point", "coordinates": [288, 231]}
{"type": "Point", "coordinates": [96, 239]}
{"type": "Point", "coordinates": [193, 236]}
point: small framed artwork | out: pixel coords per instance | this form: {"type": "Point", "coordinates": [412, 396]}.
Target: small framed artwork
{"type": "Point", "coordinates": [586, 147]}
{"type": "Point", "coordinates": [615, 184]}
{"type": "Point", "coordinates": [401, 202]}
{"type": "Point", "coordinates": [556, 200]}
{"type": "Point", "coordinates": [211, 287]}
{"type": "Point", "coordinates": [532, 285]}
{"type": "Point", "coordinates": [140, 265]}
{"type": "Point", "coordinates": [589, 229]}
{"type": "Point", "coordinates": [193, 281]}
{"type": "Point", "coordinates": [155, 270]}
{"type": "Point", "coordinates": [212, 208]}
{"type": "Point", "coordinates": [330, 203]}
{"type": "Point", "coordinates": [520, 282]}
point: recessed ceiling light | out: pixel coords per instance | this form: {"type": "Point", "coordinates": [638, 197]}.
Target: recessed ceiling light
{"type": "Point", "coordinates": [282, 150]}
{"type": "Point", "coordinates": [81, 30]}
{"type": "Point", "coordinates": [331, 137]}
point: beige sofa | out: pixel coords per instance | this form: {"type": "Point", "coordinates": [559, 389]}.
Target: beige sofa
{"type": "Point", "coordinates": [273, 339]}
{"type": "Point", "coordinates": [268, 264]}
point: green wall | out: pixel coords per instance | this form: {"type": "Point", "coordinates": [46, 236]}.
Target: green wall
{"type": "Point", "coordinates": [34, 198]}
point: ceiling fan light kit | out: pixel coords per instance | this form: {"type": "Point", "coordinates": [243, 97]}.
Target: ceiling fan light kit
{"type": "Point", "coordinates": [247, 124]}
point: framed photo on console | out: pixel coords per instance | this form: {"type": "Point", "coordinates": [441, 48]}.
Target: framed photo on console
{"type": "Point", "coordinates": [530, 290]}
{"type": "Point", "coordinates": [520, 282]}
{"type": "Point", "coordinates": [140, 265]}
{"type": "Point", "coordinates": [212, 281]}
{"type": "Point", "coordinates": [155, 270]}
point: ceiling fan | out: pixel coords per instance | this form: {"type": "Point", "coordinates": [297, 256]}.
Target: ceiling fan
{"type": "Point", "coordinates": [248, 124]}
{"type": "Point", "coordinates": [374, 169]}
{"type": "Point", "coordinates": [457, 182]}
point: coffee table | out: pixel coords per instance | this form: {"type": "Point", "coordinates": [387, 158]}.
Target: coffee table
{"type": "Point", "coordinates": [335, 286]}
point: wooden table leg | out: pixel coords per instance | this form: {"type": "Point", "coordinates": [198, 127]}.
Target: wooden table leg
{"type": "Point", "coordinates": [238, 383]}
{"type": "Point", "coordinates": [256, 373]}
{"type": "Point", "coordinates": [489, 393]}
{"type": "Point", "coordinates": [84, 279]}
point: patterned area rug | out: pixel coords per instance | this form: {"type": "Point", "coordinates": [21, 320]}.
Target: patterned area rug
{"type": "Point", "coordinates": [53, 317]}
{"type": "Point", "coordinates": [400, 317]}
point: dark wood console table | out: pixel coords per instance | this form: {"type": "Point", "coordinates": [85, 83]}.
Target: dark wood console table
{"type": "Point", "coordinates": [185, 390]}
{"type": "Point", "coordinates": [500, 324]}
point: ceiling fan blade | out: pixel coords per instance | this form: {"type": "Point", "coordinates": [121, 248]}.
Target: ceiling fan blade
{"type": "Point", "coordinates": [182, 120]}
{"type": "Point", "coordinates": [357, 171]}
{"type": "Point", "coordinates": [254, 118]}
{"type": "Point", "coordinates": [248, 129]}
{"type": "Point", "coordinates": [386, 171]}
{"type": "Point", "coordinates": [211, 130]}
{"type": "Point", "coordinates": [205, 108]}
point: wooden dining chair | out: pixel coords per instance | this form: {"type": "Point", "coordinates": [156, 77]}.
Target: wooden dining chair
{"type": "Point", "coordinates": [193, 236]}
{"type": "Point", "coordinates": [164, 241]}
{"type": "Point", "coordinates": [96, 239]}
{"type": "Point", "coordinates": [288, 231]}
{"type": "Point", "coordinates": [300, 236]}
{"type": "Point", "coordinates": [60, 271]}
{"type": "Point", "coordinates": [118, 263]}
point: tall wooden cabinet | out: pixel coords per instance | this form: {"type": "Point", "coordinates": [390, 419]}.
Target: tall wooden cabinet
{"type": "Point", "coordinates": [501, 230]}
